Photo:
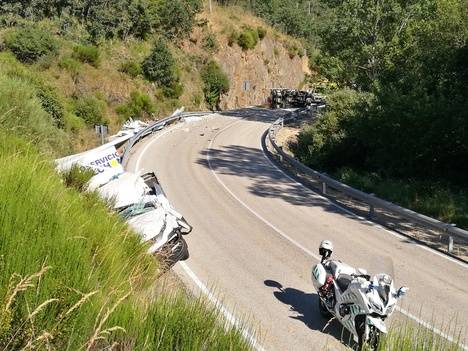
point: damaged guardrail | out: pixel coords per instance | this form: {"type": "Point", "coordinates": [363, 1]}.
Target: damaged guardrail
{"type": "Point", "coordinates": [372, 201]}
{"type": "Point", "coordinates": [158, 125]}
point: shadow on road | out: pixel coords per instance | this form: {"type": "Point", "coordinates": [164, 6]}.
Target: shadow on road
{"type": "Point", "coordinates": [256, 114]}
{"type": "Point", "coordinates": [266, 180]}
{"type": "Point", "coordinates": [305, 308]}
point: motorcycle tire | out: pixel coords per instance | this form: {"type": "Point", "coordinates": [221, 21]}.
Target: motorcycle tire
{"type": "Point", "coordinates": [323, 309]}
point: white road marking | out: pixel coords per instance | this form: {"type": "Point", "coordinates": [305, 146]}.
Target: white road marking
{"type": "Point", "coordinates": [402, 237]}
{"type": "Point", "coordinates": [280, 232]}
{"type": "Point", "coordinates": [230, 318]}
{"type": "Point", "coordinates": [298, 245]}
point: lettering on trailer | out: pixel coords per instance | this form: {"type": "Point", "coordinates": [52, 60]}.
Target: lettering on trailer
{"type": "Point", "coordinates": [107, 160]}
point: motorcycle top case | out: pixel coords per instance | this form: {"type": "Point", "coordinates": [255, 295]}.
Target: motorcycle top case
{"type": "Point", "coordinates": [319, 275]}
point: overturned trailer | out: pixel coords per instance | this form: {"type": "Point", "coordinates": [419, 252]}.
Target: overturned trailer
{"type": "Point", "coordinates": [286, 98]}
{"type": "Point", "coordinates": [143, 204]}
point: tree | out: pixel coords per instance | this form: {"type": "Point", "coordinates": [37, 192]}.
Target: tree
{"type": "Point", "coordinates": [160, 66]}
{"type": "Point", "coordinates": [215, 84]}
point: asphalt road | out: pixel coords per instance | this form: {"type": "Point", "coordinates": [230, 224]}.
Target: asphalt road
{"type": "Point", "coordinates": [256, 232]}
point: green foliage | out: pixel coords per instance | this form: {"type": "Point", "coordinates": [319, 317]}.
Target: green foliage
{"type": "Point", "coordinates": [77, 177]}
{"type": "Point", "coordinates": [215, 83]}
{"type": "Point", "coordinates": [52, 104]}
{"type": "Point", "coordinates": [22, 112]}
{"type": "Point", "coordinates": [139, 106]}
{"type": "Point", "coordinates": [178, 17]}
{"type": "Point", "coordinates": [79, 260]}
{"type": "Point", "coordinates": [210, 43]}
{"type": "Point", "coordinates": [327, 142]}
{"type": "Point", "coordinates": [261, 32]}
{"type": "Point", "coordinates": [90, 109]}
{"type": "Point", "coordinates": [248, 39]}
{"type": "Point", "coordinates": [87, 54]}
{"type": "Point", "coordinates": [31, 43]}
{"type": "Point", "coordinates": [132, 68]}
{"type": "Point", "coordinates": [70, 64]}
{"type": "Point", "coordinates": [160, 66]}
{"type": "Point", "coordinates": [233, 37]}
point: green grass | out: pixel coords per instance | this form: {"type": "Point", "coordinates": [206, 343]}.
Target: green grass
{"type": "Point", "coordinates": [427, 197]}
{"type": "Point", "coordinates": [410, 337]}
{"type": "Point", "coordinates": [72, 276]}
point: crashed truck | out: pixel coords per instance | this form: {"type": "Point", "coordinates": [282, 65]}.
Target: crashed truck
{"type": "Point", "coordinates": [140, 200]}
{"type": "Point", "coordinates": [293, 98]}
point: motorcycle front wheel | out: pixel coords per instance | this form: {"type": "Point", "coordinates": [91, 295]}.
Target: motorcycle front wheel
{"type": "Point", "coordinates": [323, 309]}
{"type": "Point", "coordinates": [372, 343]}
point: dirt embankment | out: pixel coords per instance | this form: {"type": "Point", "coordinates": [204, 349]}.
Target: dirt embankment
{"type": "Point", "coordinates": [267, 66]}
{"type": "Point", "coordinates": [276, 61]}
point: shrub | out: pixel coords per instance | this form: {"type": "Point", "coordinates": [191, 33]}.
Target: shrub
{"type": "Point", "coordinates": [91, 110]}
{"type": "Point", "coordinates": [77, 177]}
{"type": "Point", "coordinates": [261, 32]}
{"type": "Point", "coordinates": [178, 17]}
{"type": "Point", "coordinates": [30, 43]}
{"type": "Point", "coordinates": [215, 83]}
{"type": "Point", "coordinates": [210, 43]}
{"type": "Point", "coordinates": [22, 112]}
{"type": "Point", "coordinates": [132, 68]}
{"type": "Point", "coordinates": [87, 54]}
{"type": "Point", "coordinates": [51, 104]}
{"type": "Point", "coordinates": [174, 91]}
{"type": "Point", "coordinates": [139, 106]}
{"type": "Point", "coordinates": [69, 64]}
{"type": "Point", "coordinates": [248, 39]}
{"type": "Point", "coordinates": [233, 37]}
{"type": "Point", "coordinates": [160, 66]}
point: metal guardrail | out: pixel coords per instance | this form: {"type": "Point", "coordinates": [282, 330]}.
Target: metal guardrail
{"type": "Point", "coordinates": [373, 201]}
{"type": "Point", "coordinates": [158, 125]}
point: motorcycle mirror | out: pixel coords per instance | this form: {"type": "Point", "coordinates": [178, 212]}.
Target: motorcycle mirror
{"type": "Point", "coordinates": [402, 291]}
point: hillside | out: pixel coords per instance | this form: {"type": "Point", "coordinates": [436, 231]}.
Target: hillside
{"type": "Point", "coordinates": [72, 275]}
{"type": "Point", "coordinates": [106, 83]}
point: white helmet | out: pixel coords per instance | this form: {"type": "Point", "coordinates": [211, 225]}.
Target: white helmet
{"type": "Point", "coordinates": [325, 249]}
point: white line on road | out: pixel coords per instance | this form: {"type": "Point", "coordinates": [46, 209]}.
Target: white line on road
{"type": "Point", "coordinates": [230, 318]}
{"type": "Point", "coordinates": [431, 250]}
{"type": "Point", "coordinates": [298, 245]}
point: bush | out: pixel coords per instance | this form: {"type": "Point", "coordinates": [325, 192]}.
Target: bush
{"type": "Point", "coordinates": [248, 39]}
{"type": "Point", "coordinates": [261, 32]}
{"type": "Point", "coordinates": [215, 83]}
{"type": "Point", "coordinates": [210, 43]}
{"type": "Point", "coordinates": [52, 105]}
{"type": "Point", "coordinates": [132, 68]}
{"type": "Point", "coordinates": [174, 91]}
{"type": "Point", "coordinates": [77, 177]}
{"type": "Point", "coordinates": [87, 54]}
{"type": "Point", "coordinates": [178, 17]}
{"type": "Point", "coordinates": [22, 112]}
{"type": "Point", "coordinates": [233, 37]}
{"type": "Point", "coordinates": [91, 110]}
{"type": "Point", "coordinates": [139, 106]}
{"type": "Point", "coordinates": [30, 43]}
{"type": "Point", "coordinates": [160, 66]}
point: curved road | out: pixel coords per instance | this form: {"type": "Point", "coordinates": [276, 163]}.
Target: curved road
{"type": "Point", "coordinates": [256, 234]}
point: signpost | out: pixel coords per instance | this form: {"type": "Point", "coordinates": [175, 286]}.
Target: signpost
{"type": "Point", "coordinates": [102, 131]}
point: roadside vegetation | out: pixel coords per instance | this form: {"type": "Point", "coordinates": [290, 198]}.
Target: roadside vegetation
{"type": "Point", "coordinates": [395, 75]}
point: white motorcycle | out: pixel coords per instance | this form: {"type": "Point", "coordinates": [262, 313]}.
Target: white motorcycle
{"type": "Point", "coordinates": [359, 303]}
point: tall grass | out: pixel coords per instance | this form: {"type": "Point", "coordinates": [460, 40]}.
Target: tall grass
{"type": "Point", "coordinates": [408, 336]}
{"type": "Point", "coordinates": [428, 197]}
{"type": "Point", "coordinates": [74, 277]}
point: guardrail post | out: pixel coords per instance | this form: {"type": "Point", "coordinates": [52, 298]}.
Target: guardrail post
{"type": "Point", "coordinates": [371, 208]}
{"type": "Point", "coordinates": [280, 155]}
{"type": "Point", "coordinates": [450, 244]}
{"type": "Point", "coordinates": [324, 188]}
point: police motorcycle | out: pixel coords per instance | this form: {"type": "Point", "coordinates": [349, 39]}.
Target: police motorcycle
{"type": "Point", "coordinates": [360, 303]}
